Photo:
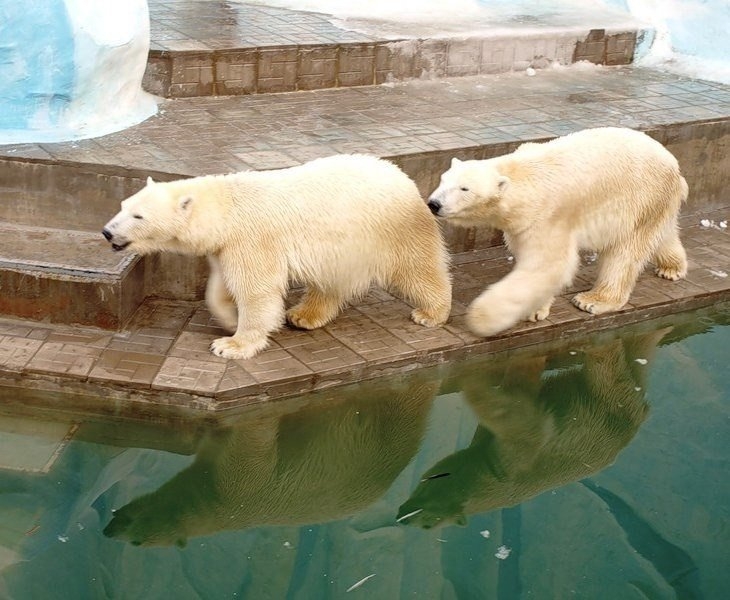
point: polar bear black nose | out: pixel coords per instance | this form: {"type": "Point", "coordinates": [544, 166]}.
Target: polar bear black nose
{"type": "Point", "coordinates": [434, 205]}
{"type": "Point", "coordinates": [107, 234]}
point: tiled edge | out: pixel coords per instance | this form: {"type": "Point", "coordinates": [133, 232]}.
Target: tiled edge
{"type": "Point", "coordinates": [239, 71]}
{"type": "Point", "coordinates": [123, 382]}
{"type": "Point", "coordinates": [162, 361]}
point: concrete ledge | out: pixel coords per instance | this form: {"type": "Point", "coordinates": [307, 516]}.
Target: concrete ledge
{"type": "Point", "coordinates": [260, 70]}
{"type": "Point", "coordinates": [160, 362]}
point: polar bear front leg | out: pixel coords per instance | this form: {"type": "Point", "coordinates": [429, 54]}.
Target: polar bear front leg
{"type": "Point", "coordinates": [526, 293]}
{"type": "Point", "coordinates": [618, 270]}
{"type": "Point", "coordinates": [257, 318]}
{"type": "Point", "coordinates": [541, 313]}
{"type": "Point", "coordinates": [502, 305]}
{"type": "Point", "coordinates": [257, 284]}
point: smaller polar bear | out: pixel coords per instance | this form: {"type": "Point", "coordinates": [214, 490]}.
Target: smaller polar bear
{"type": "Point", "coordinates": [612, 190]}
{"type": "Point", "coordinates": [335, 225]}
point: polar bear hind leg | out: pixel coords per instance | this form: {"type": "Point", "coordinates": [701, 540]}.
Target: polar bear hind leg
{"type": "Point", "coordinates": [316, 309]}
{"type": "Point", "coordinates": [428, 286]}
{"type": "Point", "coordinates": [619, 266]}
{"type": "Point", "coordinates": [670, 257]}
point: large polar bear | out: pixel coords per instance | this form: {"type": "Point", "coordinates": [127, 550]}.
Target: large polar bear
{"type": "Point", "coordinates": [612, 190]}
{"type": "Point", "coordinates": [335, 225]}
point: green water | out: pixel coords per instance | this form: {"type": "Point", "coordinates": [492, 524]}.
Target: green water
{"type": "Point", "coordinates": [595, 468]}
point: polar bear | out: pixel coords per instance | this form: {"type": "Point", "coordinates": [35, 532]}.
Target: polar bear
{"type": "Point", "coordinates": [335, 225]}
{"type": "Point", "coordinates": [612, 190]}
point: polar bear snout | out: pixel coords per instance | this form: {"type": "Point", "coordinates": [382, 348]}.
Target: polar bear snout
{"type": "Point", "coordinates": [434, 205]}
{"type": "Point", "coordinates": [116, 242]}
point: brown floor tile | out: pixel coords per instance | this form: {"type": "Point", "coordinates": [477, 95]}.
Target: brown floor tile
{"type": "Point", "coordinates": [319, 351]}
{"type": "Point", "coordinates": [274, 364]}
{"type": "Point", "coordinates": [146, 340]}
{"type": "Point", "coordinates": [91, 339]}
{"type": "Point", "coordinates": [162, 314]}
{"type": "Point", "coordinates": [194, 345]}
{"type": "Point", "coordinates": [649, 292]}
{"type": "Point", "coordinates": [16, 352]}
{"type": "Point", "coordinates": [237, 381]}
{"type": "Point", "coordinates": [283, 129]}
{"type": "Point", "coordinates": [368, 339]}
{"type": "Point", "coordinates": [709, 279]}
{"type": "Point", "coordinates": [127, 367]}
{"type": "Point", "coordinates": [190, 375]}
{"type": "Point", "coordinates": [395, 316]}
{"type": "Point", "coordinates": [28, 330]}
{"type": "Point", "coordinates": [203, 322]}
{"type": "Point", "coordinates": [64, 358]}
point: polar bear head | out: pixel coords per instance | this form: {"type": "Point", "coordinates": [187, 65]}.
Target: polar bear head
{"type": "Point", "coordinates": [154, 219]}
{"type": "Point", "coordinates": [469, 192]}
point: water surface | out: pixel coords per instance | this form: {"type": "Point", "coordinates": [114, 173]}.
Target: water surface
{"type": "Point", "coordinates": [595, 468]}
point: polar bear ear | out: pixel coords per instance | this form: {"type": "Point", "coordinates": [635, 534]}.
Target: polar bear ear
{"type": "Point", "coordinates": [149, 181]}
{"type": "Point", "coordinates": [503, 183]}
{"type": "Point", "coordinates": [455, 161]}
{"type": "Point", "coordinates": [184, 202]}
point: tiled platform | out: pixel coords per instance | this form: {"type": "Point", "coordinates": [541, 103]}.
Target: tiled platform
{"type": "Point", "coordinates": [161, 361]}
{"type": "Point", "coordinates": [196, 136]}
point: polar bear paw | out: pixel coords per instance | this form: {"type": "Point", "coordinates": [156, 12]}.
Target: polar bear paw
{"type": "Point", "coordinates": [303, 319]}
{"type": "Point", "coordinates": [673, 274]}
{"type": "Point", "coordinates": [594, 304]}
{"type": "Point", "coordinates": [422, 317]}
{"type": "Point", "coordinates": [231, 348]}
{"type": "Point", "coordinates": [541, 313]}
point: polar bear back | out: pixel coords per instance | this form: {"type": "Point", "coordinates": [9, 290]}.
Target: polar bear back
{"type": "Point", "coordinates": [346, 219]}
{"type": "Point", "coordinates": [604, 163]}
{"type": "Point", "coordinates": [597, 182]}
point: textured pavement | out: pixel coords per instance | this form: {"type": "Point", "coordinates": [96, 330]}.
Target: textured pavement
{"type": "Point", "coordinates": [196, 136]}
{"type": "Point", "coordinates": [161, 357]}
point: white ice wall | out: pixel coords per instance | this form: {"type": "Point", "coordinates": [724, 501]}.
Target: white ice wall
{"type": "Point", "coordinates": [72, 69]}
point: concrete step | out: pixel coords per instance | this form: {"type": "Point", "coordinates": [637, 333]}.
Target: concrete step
{"type": "Point", "coordinates": [420, 125]}
{"type": "Point", "coordinates": [66, 276]}
{"type": "Point", "coordinates": [224, 48]}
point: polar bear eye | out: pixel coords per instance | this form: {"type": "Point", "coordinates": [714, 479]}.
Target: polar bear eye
{"type": "Point", "coordinates": [138, 216]}
{"type": "Point", "coordinates": [464, 189]}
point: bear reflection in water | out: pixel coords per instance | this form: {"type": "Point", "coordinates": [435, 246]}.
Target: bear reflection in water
{"type": "Point", "coordinates": [542, 424]}
{"type": "Point", "coordinates": [544, 420]}
{"type": "Point", "coordinates": [292, 464]}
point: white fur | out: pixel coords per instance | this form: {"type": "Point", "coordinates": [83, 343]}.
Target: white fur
{"type": "Point", "coordinates": [612, 190]}
{"type": "Point", "coordinates": [335, 224]}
